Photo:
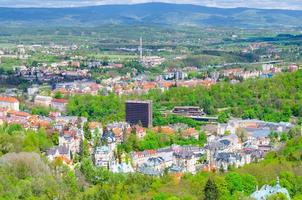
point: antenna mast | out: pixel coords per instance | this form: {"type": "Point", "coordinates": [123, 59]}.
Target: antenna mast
{"type": "Point", "coordinates": [141, 49]}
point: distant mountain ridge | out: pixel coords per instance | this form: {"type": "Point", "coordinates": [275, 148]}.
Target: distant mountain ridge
{"type": "Point", "coordinates": [151, 14]}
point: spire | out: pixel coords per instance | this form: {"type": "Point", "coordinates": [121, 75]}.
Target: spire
{"type": "Point", "coordinates": [278, 180]}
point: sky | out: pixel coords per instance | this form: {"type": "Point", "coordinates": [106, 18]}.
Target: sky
{"type": "Point", "coordinates": [272, 4]}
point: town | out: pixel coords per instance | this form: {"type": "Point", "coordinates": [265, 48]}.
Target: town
{"type": "Point", "coordinates": [232, 144]}
{"type": "Point", "coordinates": [150, 101]}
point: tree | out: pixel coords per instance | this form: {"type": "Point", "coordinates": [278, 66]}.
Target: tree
{"type": "Point", "coordinates": [242, 134]}
{"type": "Point", "coordinates": [294, 132]}
{"type": "Point", "coordinates": [278, 196]}
{"type": "Point", "coordinates": [240, 183]}
{"type": "Point", "coordinates": [40, 110]}
{"type": "Point", "coordinates": [273, 136]}
{"type": "Point", "coordinates": [249, 183]}
{"type": "Point", "coordinates": [55, 138]}
{"type": "Point", "coordinates": [223, 117]}
{"type": "Point", "coordinates": [283, 137]}
{"type": "Point", "coordinates": [87, 132]}
{"type": "Point", "coordinates": [211, 190]}
{"type": "Point", "coordinates": [58, 95]}
{"type": "Point", "coordinates": [234, 182]}
{"type": "Point", "coordinates": [70, 181]}
{"type": "Point", "coordinates": [85, 149]}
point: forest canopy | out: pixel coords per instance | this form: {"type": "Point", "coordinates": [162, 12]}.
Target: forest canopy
{"type": "Point", "coordinates": [276, 99]}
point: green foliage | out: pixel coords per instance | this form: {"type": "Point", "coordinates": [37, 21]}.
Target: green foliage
{"type": "Point", "coordinates": [211, 190]}
{"type": "Point", "coordinates": [278, 196]}
{"type": "Point", "coordinates": [36, 141]}
{"type": "Point", "coordinates": [40, 110]}
{"type": "Point", "coordinates": [154, 140]}
{"type": "Point", "coordinates": [20, 179]}
{"type": "Point", "coordinates": [58, 95]}
{"type": "Point", "coordinates": [13, 138]}
{"type": "Point", "coordinates": [240, 183]}
{"type": "Point", "coordinates": [159, 120]}
{"type": "Point", "coordinates": [223, 117]}
{"type": "Point", "coordinates": [275, 99]}
{"type": "Point", "coordinates": [102, 108]}
{"type": "Point", "coordinates": [87, 133]}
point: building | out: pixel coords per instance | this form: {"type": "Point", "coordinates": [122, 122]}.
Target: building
{"type": "Point", "coordinates": [33, 90]}
{"type": "Point", "coordinates": [59, 104]}
{"type": "Point", "coordinates": [293, 68]}
{"type": "Point", "coordinates": [61, 152]}
{"type": "Point", "coordinates": [267, 191]}
{"type": "Point", "coordinates": [224, 160]}
{"type": "Point", "coordinates": [154, 166]}
{"type": "Point", "coordinates": [121, 168]}
{"type": "Point", "coordinates": [140, 132]}
{"type": "Point", "coordinates": [139, 112]}
{"type": "Point", "coordinates": [188, 111]}
{"type": "Point", "coordinates": [96, 129]}
{"type": "Point", "coordinates": [190, 133]}
{"type": "Point", "coordinates": [186, 160]}
{"type": "Point", "coordinates": [9, 103]}
{"type": "Point", "coordinates": [103, 156]}
{"type": "Point", "coordinates": [43, 100]}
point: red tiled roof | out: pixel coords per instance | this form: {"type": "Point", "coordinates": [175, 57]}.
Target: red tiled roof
{"type": "Point", "coordinates": [59, 101]}
{"type": "Point", "coordinates": [117, 132]}
{"type": "Point", "coordinates": [9, 99]}
{"type": "Point", "coordinates": [19, 113]}
{"type": "Point", "coordinates": [148, 86]}
{"type": "Point", "coordinates": [167, 84]}
{"type": "Point", "coordinates": [190, 132]}
{"type": "Point", "coordinates": [94, 125]}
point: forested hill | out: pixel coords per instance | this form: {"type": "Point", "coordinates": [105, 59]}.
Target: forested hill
{"type": "Point", "coordinates": [150, 14]}
{"type": "Point", "coordinates": [276, 99]}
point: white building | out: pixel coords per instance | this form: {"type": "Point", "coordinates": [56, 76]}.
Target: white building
{"type": "Point", "coordinates": [32, 90]}
{"type": "Point", "coordinates": [43, 100]}
{"type": "Point", "coordinates": [9, 103]}
{"type": "Point", "coordinates": [267, 191]}
{"type": "Point", "coordinates": [103, 156]}
{"type": "Point", "coordinates": [59, 104]}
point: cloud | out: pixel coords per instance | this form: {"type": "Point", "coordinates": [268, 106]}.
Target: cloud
{"type": "Point", "coordinates": [275, 4]}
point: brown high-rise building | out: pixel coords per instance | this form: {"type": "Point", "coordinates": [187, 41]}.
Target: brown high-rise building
{"type": "Point", "coordinates": [139, 112]}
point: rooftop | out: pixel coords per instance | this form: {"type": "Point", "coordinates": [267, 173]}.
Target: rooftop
{"type": "Point", "coordinates": [9, 99]}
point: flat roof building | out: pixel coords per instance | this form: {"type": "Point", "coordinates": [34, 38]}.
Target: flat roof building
{"type": "Point", "coordinates": [139, 112]}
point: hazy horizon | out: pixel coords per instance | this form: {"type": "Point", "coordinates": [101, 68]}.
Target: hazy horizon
{"type": "Point", "coordinates": [265, 4]}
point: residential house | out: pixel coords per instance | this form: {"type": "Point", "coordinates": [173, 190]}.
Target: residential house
{"type": "Point", "coordinates": [109, 139]}
{"type": "Point", "coordinates": [293, 68]}
{"type": "Point", "coordinates": [95, 129]}
{"type": "Point", "coordinates": [103, 157]}
{"type": "Point", "coordinates": [140, 132]}
{"type": "Point", "coordinates": [59, 104]}
{"type": "Point", "coordinates": [154, 166]}
{"type": "Point", "coordinates": [59, 152]}
{"type": "Point", "coordinates": [190, 133]}
{"type": "Point", "coordinates": [121, 168]}
{"type": "Point", "coordinates": [10, 103]}
{"type": "Point", "coordinates": [18, 115]}
{"type": "Point", "coordinates": [231, 143]}
{"type": "Point", "coordinates": [43, 100]}
{"type": "Point", "coordinates": [224, 160]}
{"type": "Point", "coordinates": [71, 139]}
{"type": "Point", "coordinates": [119, 130]}
{"type": "Point", "coordinates": [186, 160]}
{"type": "Point", "coordinates": [210, 129]}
